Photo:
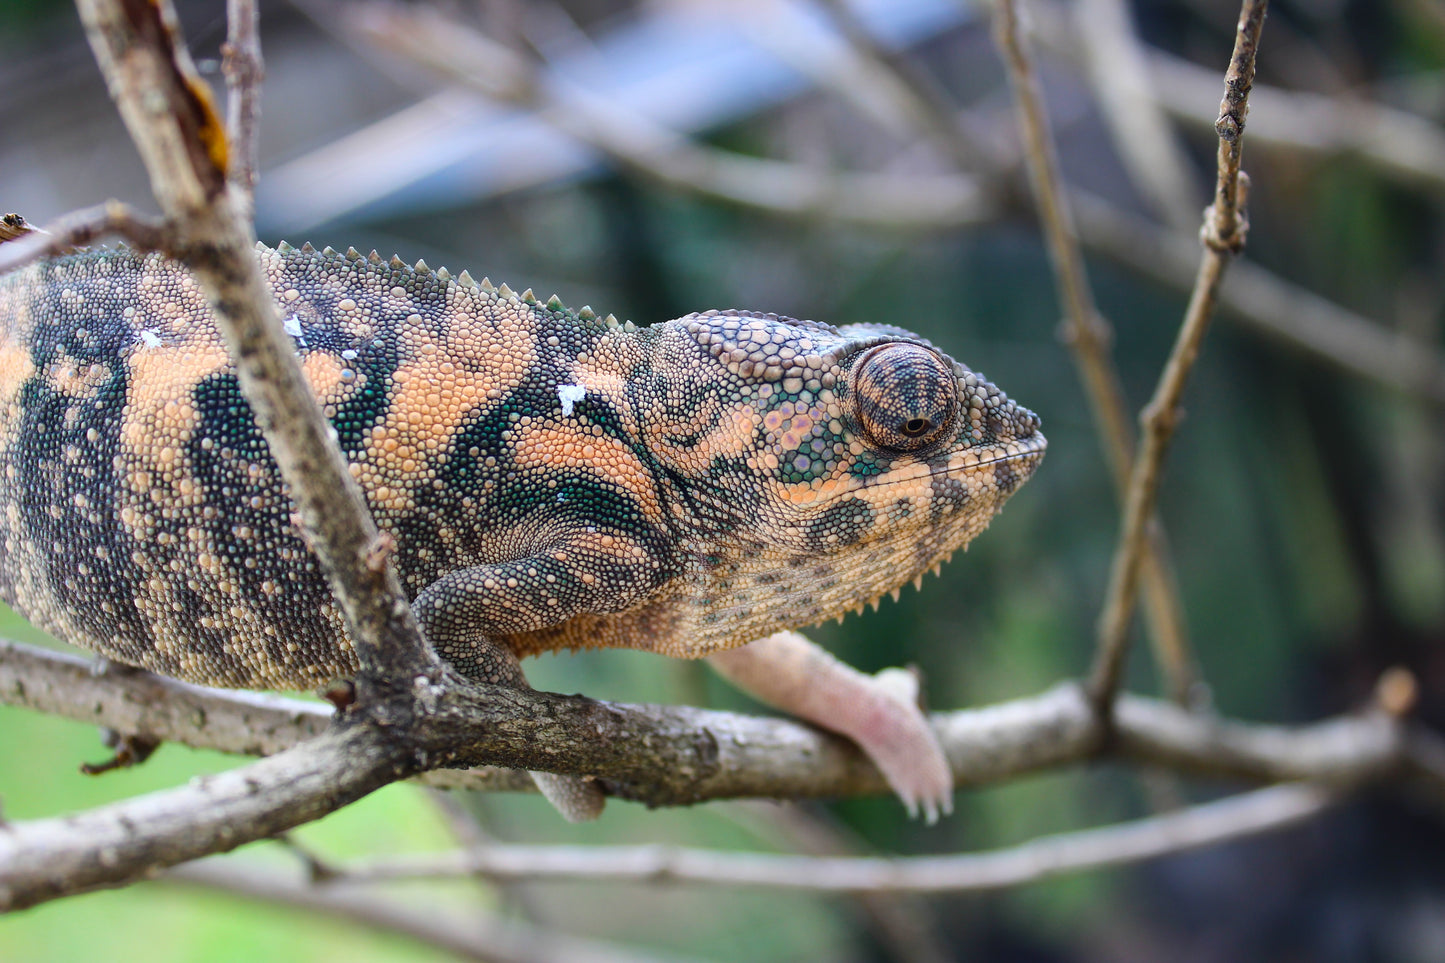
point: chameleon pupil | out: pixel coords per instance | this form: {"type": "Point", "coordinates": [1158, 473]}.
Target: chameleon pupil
{"type": "Point", "coordinates": [914, 427]}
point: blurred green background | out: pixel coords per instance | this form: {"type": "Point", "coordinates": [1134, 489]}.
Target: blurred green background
{"type": "Point", "coordinates": [1305, 506]}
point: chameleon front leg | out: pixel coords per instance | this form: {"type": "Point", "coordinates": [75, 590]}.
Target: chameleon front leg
{"type": "Point", "coordinates": [456, 613]}
{"type": "Point", "coordinates": [880, 713]}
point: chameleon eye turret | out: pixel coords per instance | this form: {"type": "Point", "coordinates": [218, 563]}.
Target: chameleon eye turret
{"type": "Point", "coordinates": [906, 396]}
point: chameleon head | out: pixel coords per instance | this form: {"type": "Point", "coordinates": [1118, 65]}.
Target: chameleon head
{"type": "Point", "coordinates": [820, 468]}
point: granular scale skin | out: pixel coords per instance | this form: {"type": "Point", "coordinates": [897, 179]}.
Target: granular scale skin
{"type": "Point", "coordinates": [552, 479]}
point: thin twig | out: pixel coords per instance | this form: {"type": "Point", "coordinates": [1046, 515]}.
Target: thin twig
{"type": "Point", "coordinates": [82, 228]}
{"type": "Point", "coordinates": [476, 935]}
{"type": "Point", "coordinates": [906, 926]}
{"type": "Point", "coordinates": [1224, 230]}
{"type": "Point", "coordinates": [1044, 857]}
{"type": "Point", "coordinates": [244, 70]}
{"type": "Point", "coordinates": [14, 227]}
{"type": "Point", "coordinates": [1089, 337]}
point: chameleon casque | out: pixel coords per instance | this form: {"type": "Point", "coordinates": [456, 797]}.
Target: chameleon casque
{"type": "Point", "coordinates": [553, 480]}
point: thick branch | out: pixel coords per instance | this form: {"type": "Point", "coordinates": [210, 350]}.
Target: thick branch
{"type": "Point", "coordinates": [703, 754]}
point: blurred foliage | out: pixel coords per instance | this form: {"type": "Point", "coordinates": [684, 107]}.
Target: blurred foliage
{"type": "Point", "coordinates": [1305, 509]}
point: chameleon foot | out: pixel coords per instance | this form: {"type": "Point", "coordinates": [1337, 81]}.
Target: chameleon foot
{"type": "Point", "coordinates": [880, 713]}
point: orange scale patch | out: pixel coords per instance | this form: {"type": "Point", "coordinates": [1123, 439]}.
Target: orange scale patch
{"type": "Point", "coordinates": [435, 390]}
{"type": "Point", "coordinates": [323, 373]}
{"type": "Point", "coordinates": [566, 449]}
{"type": "Point", "coordinates": [160, 416]}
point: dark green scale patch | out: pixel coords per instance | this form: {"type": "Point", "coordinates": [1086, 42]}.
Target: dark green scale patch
{"type": "Point", "coordinates": [518, 495]}
{"type": "Point", "coordinates": [64, 452]}
{"type": "Point", "coordinates": [841, 524]}
{"type": "Point", "coordinates": [869, 465]}
{"type": "Point", "coordinates": [374, 362]}
{"type": "Point", "coordinates": [225, 452]}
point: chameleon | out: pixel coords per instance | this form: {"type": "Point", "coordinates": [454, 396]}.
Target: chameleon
{"type": "Point", "coordinates": [551, 479]}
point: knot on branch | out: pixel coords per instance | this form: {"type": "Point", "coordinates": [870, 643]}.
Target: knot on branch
{"type": "Point", "coordinates": [1229, 126]}
{"type": "Point", "coordinates": [1160, 419]}
{"type": "Point", "coordinates": [1224, 229]}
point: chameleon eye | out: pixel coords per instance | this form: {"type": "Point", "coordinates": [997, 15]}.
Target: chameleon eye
{"type": "Point", "coordinates": [906, 396]}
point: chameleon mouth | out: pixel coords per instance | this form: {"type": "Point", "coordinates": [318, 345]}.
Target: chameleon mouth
{"type": "Point", "coordinates": [1032, 447]}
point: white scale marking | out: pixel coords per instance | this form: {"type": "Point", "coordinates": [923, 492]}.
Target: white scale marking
{"type": "Point", "coordinates": [569, 395]}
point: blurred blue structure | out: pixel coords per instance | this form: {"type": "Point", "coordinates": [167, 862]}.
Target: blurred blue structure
{"type": "Point", "coordinates": [686, 67]}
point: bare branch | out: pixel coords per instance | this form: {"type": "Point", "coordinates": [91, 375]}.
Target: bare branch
{"type": "Point", "coordinates": [477, 936]}
{"type": "Point", "coordinates": [1089, 337]}
{"type": "Point", "coordinates": [144, 704]}
{"type": "Point", "coordinates": [703, 754]}
{"type": "Point", "coordinates": [244, 70]}
{"type": "Point", "coordinates": [1224, 230]}
{"type": "Point", "coordinates": [112, 845]}
{"type": "Point", "coordinates": [81, 228]}
{"type": "Point", "coordinates": [1042, 858]}
{"type": "Point", "coordinates": [168, 110]}
{"type": "Point", "coordinates": [906, 926]}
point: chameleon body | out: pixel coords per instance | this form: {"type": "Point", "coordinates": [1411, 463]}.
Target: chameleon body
{"type": "Point", "coordinates": [551, 479]}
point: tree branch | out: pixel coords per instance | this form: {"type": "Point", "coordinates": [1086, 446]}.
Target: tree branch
{"type": "Point", "coordinates": [1224, 230]}
{"type": "Point", "coordinates": [168, 110]}
{"type": "Point", "coordinates": [1089, 337]}
{"type": "Point", "coordinates": [1044, 857]}
{"type": "Point", "coordinates": [244, 70]}
{"type": "Point", "coordinates": [727, 755]}
{"type": "Point", "coordinates": [478, 936]}
{"type": "Point", "coordinates": [80, 228]}
{"type": "Point", "coordinates": [120, 843]}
